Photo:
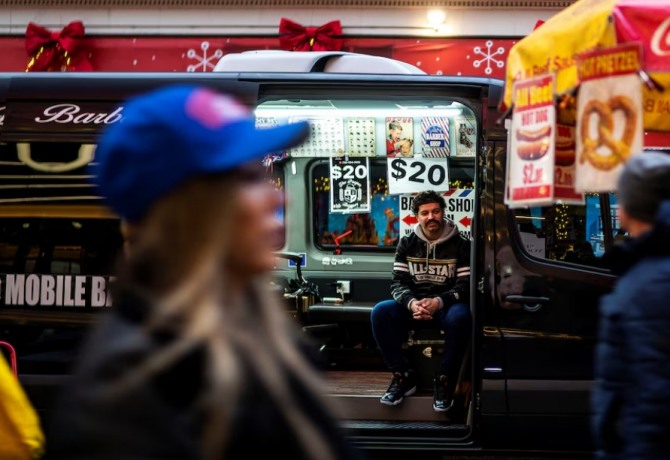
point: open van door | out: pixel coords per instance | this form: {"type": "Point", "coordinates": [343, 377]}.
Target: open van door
{"type": "Point", "coordinates": [347, 250]}
{"type": "Point", "coordinates": [547, 281]}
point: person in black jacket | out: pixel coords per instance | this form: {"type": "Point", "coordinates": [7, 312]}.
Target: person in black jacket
{"type": "Point", "coordinates": [431, 282]}
{"type": "Point", "coordinates": [631, 396]}
{"type": "Point", "coordinates": [197, 358]}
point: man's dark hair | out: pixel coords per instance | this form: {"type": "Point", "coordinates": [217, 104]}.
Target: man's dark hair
{"type": "Point", "coordinates": [428, 196]}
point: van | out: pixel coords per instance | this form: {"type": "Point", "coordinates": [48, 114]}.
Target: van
{"type": "Point", "coordinates": [535, 276]}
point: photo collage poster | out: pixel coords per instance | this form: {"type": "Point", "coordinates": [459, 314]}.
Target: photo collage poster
{"type": "Point", "coordinates": [361, 137]}
{"type": "Point", "coordinates": [326, 137]}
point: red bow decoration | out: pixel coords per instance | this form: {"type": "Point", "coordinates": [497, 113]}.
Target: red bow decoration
{"type": "Point", "coordinates": [56, 51]}
{"type": "Point", "coordinates": [295, 37]}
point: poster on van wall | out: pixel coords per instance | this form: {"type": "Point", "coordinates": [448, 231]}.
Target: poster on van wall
{"type": "Point", "coordinates": [465, 136]}
{"type": "Point", "coordinates": [609, 115]}
{"type": "Point", "coordinates": [399, 137]}
{"type": "Point", "coordinates": [565, 170]}
{"type": "Point", "coordinates": [266, 122]}
{"type": "Point", "coordinates": [360, 137]}
{"type": "Point", "coordinates": [531, 157]}
{"type": "Point", "coordinates": [326, 137]}
{"type": "Point", "coordinates": [435, 137]}
{"type": "Point", "coordinates": [349, 185]}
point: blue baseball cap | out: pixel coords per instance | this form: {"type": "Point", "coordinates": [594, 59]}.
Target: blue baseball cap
{"type": "Point", "coordinates": [175, 133]}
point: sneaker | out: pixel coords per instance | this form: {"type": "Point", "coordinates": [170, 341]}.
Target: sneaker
{"type": "Point", "coordinates": [401, 385]}
{"type": "Point", "coordinates": [443, 399]}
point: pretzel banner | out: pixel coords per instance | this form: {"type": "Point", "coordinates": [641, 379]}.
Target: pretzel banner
{"type": "Point", "coordinates": [609, 115]}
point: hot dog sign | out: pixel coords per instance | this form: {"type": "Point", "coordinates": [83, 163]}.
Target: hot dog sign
{"type": "Point", "coordinates": [533, 131]}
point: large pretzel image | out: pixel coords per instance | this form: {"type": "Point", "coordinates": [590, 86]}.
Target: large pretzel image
{"type": "Point", "coordinates": [619, 149]}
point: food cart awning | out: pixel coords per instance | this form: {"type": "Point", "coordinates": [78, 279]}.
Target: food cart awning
{"type": "Point", "coordinates": [592, 24]}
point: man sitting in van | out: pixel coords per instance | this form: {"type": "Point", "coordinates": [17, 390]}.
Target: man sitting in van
{"type": "Point", "coordinates": [431, 283]}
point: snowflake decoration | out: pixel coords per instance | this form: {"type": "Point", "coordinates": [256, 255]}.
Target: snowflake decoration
{"type": "Point", "coordinates": [204, 62]}
{"type": "Point", "coordinates": [488, 57]}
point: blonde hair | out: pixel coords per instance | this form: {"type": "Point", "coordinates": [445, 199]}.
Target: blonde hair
{"type": "Point", "coordinates": [175, 257]}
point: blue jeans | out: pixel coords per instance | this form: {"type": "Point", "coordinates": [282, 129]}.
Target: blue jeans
{"type": "Point", "coordinates": [391, 323]}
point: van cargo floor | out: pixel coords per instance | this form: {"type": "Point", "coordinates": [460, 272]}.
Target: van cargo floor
{"type": "Point", "coordinates": [356, 395]}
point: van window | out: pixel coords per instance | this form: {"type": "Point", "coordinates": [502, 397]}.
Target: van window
{"type": "Point", "coordinates": [380, 228]}
{"type": "Point", "coordinates": [567, 233]}
{"type": "Point", "coordinates": [67, 246]}
{"type": "Point", "coordinates": [353, 142]}
{"type": "Point", "coordinates": [51, 219]}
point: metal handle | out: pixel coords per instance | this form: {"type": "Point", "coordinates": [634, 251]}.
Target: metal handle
{"type": "Point", "coordinates": [296, 258]}
{"type": "Point", "coordinates": [529, 303]}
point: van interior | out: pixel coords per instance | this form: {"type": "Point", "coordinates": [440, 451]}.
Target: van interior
{"type": "Point", "coordinates": [348, 254]}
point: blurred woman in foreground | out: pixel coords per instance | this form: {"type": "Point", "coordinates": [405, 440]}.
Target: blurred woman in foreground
{"type": "Point", "coordinates": [197, 359]}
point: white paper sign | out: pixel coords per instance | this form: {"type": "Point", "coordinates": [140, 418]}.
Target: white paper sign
{"type": "Point", "coordinates": [412, 175]}
{"type": "Point", "coordinates": [407, 219]}
{"type": "Point", "coordinates": [460, 209]}
{"type": "Point", "coordinates": [531, 157]}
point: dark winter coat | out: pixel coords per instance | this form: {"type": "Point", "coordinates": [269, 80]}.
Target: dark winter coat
{"type": "Point", "coordinates": [631, 397]}
{"type": "Point", "coordinates": [159, 419]}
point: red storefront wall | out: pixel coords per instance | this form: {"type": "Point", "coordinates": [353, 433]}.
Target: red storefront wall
{"type": "Point", "coordinates": [471, 57]}
{"type": "Point", "coordinates": [481, 57]}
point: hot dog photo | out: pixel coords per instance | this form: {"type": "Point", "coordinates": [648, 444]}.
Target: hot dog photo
{"type": "Point", "coordinates": [533, 144]}
{"type": "Point", "coordinates": [565, 152]}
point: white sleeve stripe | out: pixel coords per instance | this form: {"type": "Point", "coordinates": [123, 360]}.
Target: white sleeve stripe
{"type": "Point", "coordinates": [462, 269]}
{"type": "Point", "coordinates": [463, 274]}
{"type": "Point", "coordinates": [400, 264]}
{"type": "Point", "coordinates": [398, 269]}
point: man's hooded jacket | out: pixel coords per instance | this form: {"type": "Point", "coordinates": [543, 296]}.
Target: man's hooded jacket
{"type": "Point", "coordinates": [440, 268]}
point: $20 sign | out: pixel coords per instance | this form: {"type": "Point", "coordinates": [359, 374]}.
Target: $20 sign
{"type": "Point", "coordinates": [349, 185]}
{"type": "Point", "coordinates": [411, 175]}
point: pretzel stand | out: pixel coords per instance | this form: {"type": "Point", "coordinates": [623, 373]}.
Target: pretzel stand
{"type": "Point", "coordinates": [610, 62]}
